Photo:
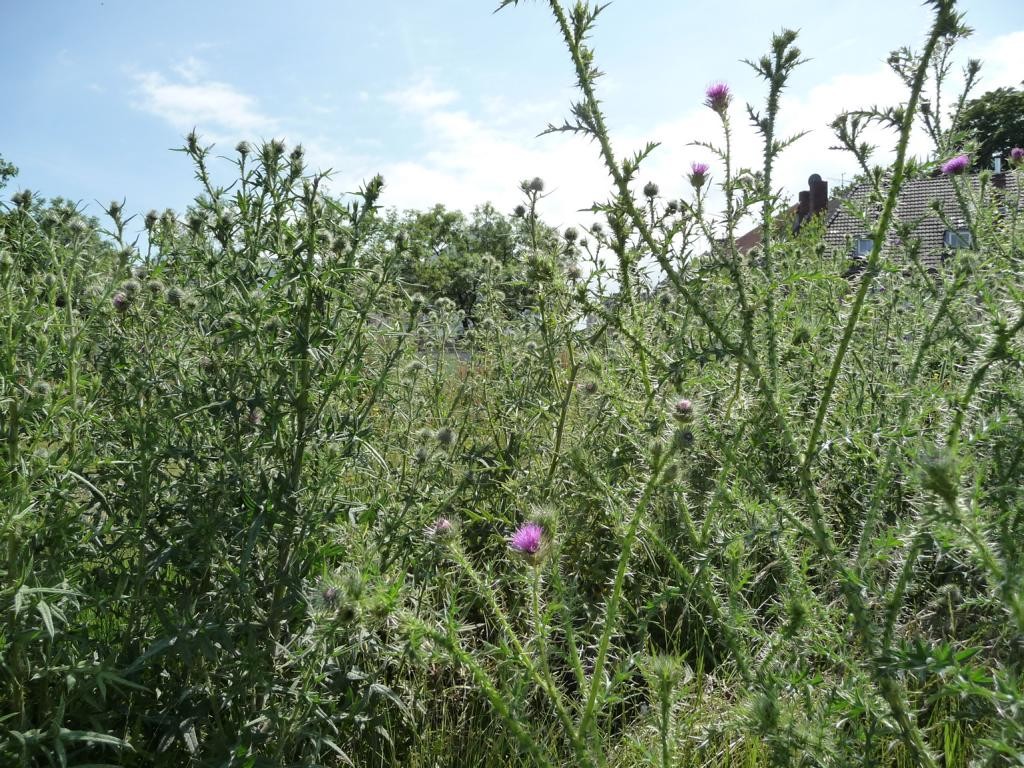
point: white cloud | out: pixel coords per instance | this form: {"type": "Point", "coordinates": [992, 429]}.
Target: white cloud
{"type": "Point", "coordinates": [463, 157]}
{"type": "Point", "coordinates": [217, 110]}
{"type": "Point", "coordinates": [421, 96]}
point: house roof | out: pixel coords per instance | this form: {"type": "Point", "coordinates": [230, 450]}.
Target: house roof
{"type": "Point", "coordinates": [918, 206]}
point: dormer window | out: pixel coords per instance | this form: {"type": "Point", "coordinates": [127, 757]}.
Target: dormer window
{"type": "Point", "coordinates": [957, 239]}
{"type": "Point", "coordinates": [863, 246]}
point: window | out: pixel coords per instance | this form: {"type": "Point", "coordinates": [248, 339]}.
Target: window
{"type": "Point", "coordinates": [956, 239]}
{"type": "Point", "coordinates": [862, 246]}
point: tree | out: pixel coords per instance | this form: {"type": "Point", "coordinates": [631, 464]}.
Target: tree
{"type": "Point", "coordinates": [447, 250]}
{"type": "Point", "coordinates": [7, 172]}
{"type": "Point", "coordinates": [996, 120]}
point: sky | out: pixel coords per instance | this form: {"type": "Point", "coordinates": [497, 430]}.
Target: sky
{"type": "Point", "coordinates": [444, 98]}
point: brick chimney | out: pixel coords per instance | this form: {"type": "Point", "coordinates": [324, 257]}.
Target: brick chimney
{"type": "Point", "coordinates": [818, 194]}
{"type": "Point", "coordinates": [803, 210]}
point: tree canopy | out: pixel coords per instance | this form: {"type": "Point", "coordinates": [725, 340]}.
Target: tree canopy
{"type": "Point", "coordinates": [996, 120]}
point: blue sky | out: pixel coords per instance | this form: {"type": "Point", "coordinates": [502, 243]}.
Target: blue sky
{"type": "Point", "coordinates": [444, 98]}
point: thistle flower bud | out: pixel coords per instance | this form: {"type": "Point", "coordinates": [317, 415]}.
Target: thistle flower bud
{"type": "Point", "coordinates": [573, 272]}
{"type": "Point", "coordinates": [76, 226]}
{"type": "Point", "coordinates": [114, 209]}
{"type": "Point", "coordinates": [444, 436]}
{"type": "Point", "coordinates": [698, 174]}
{"type": "Point", "coordinates": [536, 184]}
{"type": "Point", "coordinates": [650, 190]}
{"type": "Point", "coordinates": [596, 228]}
{"type": "Point", "coordinates": [151, 219]}
{"type": "Point", "coordinates": [41, 389]}
{"type": "Point", "coordinates": [1017, 156]}
{"type": "Point", "coordinates": [440, 529]}
{"type": "Point", "coordinates": [120, 301]}
{"type": "Point", "coordinates": [682, 439]}
{"type": "Point", "coordinates": [131, 287]}
{"type": "Point", "coordinates": [243, 149]}
{"type": "Point", "coordinates": [155, 287]}
{"type": "Point", "coordinates": [192, 141]}
{"type": "Point", "coordinates": [22, 200]}
{"type": "Point", "coordinates": [175, 296]}
{"type": "Point", "coordinates": [570, 235]}
{"type": "Point", "coordinates": [940, 475]}
{"type": "Point", "coordinates": [519, 211]}
{"type": "Point", "coordinates": [683, 410]}
{"type": "Point", "coordinates": [196, 222]}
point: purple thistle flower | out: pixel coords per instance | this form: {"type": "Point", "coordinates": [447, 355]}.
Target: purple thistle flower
{"type": "Point", "coordinates": [717, 97]}
{"type": "Point", "coordinates": [1017, 155]}
{"type": "Point", "coordinates": [527, 541]}
{"type": "Point", "coordinates": [956, 165]}
{"type": "Point", "coordinates": [683, 410]}
{"type": "Point", "coordinates": [120, 301]}
{"type": "Point", "coordinates": [698, 174]}
{"type": "Point", "coordinates": [440, 528]}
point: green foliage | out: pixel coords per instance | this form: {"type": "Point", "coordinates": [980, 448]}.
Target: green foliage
{"type": "Point", "coordinates": [996, 121]}
{"type": "Point", "coordinates": [258, 475]}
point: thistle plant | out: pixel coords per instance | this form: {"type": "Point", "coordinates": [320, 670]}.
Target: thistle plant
{"type": "Point", "coordinates": [291, 479]}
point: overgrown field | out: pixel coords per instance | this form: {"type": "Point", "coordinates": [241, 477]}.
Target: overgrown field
{"type": "Point", "coordinates": [290, 480]}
